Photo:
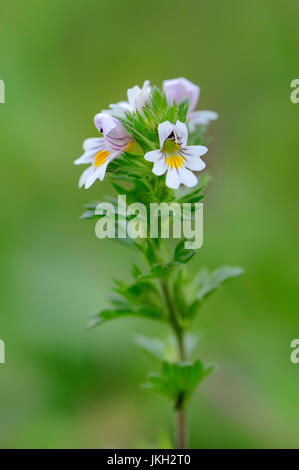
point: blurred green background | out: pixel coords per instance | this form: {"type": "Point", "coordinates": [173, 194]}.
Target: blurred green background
{"type": "Point", "coordinates": [64, 61]}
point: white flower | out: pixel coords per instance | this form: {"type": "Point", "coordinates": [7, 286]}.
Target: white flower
{"type": "Point", "coordinates": [137, 98]}
{"type": "Point", "coordinates": [175, 156]}
{"type": "Point", "coordinates": [100, 151]}
{"type": "Point", "coordinates": [180, 88]}
{"type": "Point", "coordinates": [201, 118]}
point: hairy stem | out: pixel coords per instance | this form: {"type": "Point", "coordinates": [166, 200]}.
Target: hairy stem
{"type": "Point", "coordinates": [172, 315]}
{"type": "Point", "coordinates": [181, 436]}
{"type": "Point", "coordinates": [181, 427]}
{"type": "Point", "coordinates": [179, 333]}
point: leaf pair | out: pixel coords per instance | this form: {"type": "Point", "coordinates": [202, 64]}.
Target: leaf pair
{"type": "Point", "coordinates": [162, 112]}
{"type": "Point", "coordinates": [177, 381]}
{"type": "Point", "coordinates": [189, 294]}
{"type": "Point", "coordinates": [141, 299]}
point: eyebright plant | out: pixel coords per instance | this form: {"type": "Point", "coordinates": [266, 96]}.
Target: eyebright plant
{"type": "Point", "coordinates": [150, 147]}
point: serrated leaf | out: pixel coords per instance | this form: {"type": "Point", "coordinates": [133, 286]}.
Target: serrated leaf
{"type": "Point", "coordinates": [158, 102]}
{"type": "Point", "coordinates": [136, 271]}
{"type": "Point", "coordinates": [153, 346]}
{"type": "Point", "coordinates": [165, 350]}
{"type": "Point", "coordinates": [143, 293]}
{"type": "Point", "coordinates": [160, 271]}
{"type": "Point", "coordinates": [149, 252]}
{"type": "Point", "coordinates": [214, 280]}
{"type": "Point", "coordinates": [207, 283]}
{"type": "Point", "coordinates": [106, 315]}
{"type": "Point", "coordinates": [183, 109]}
{"type": "Point", "coordinates": [177, 381]}
{"type": "Point", "coordinates": [171, 114]}
{"type": "Point", "coordinates": [181, 255]}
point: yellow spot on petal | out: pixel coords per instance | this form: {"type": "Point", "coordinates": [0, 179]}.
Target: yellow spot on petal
{"type": "Point", "coordinates": [171, 150]}
{"type": "Point", "coordinates": [174, 161]}
{"type": "Point", "coordinates": [130, 145]}
{"type": "Point", "coordinates": [100, 158]}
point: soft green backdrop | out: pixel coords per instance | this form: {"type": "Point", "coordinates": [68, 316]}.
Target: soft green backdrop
{"type": "Point", "coordinates": [63, 61]}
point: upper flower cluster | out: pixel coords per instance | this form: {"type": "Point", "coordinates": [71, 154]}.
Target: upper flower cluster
{"type": "Point", "coordinates": [173, 156]}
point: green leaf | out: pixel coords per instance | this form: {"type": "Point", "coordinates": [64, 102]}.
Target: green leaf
{"type": "Point", "coordinates": [138, 291]}
{"type": "Point", "coordinates": [207, 283]}
{"type": "Point", "coordinates": [177, 381]}
{"type": "Point", "coordinates": [197, 137]}
{"type": "Point", "coordinates": [106, 315]}
{"type": "Point", "coordinates": [143, 293]}
{"type": "Point", "coordinates": [192, 197]}
{"type": "Point", "coordinates": [160, 271]}
{"type": "Point", "coordinates": [181, 255]}
{"type": "Point", "coordinates": [215, 279]}
{"type": "Point", "coordinates": [171, 114]}
{"type": "Point", "coordinates": [165, 350]}
{"type": "Point", "coordinates": [158, 101]}
{"type": "Point", "coordinates": [149, 252]}
{"type": "Point", "coordinates": [183, 109]}
{"type": "Point", "coordinates": [142, 298]}
{"type": "Point", "coordinates": [153, 346]}
{"type": "Point", "coordinates": [129, 167]}
{"type": "Point", "coordinates": [138, 127]}
{"type": "Point", "coordinates": [136, 271]}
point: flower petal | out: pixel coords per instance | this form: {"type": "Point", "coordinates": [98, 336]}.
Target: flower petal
{"type": "Point", "coordinates": [159, 167]}
{"type": "Point", "coordinates": [192, 158]}
{"type": "Point", "coordinates": [99, 173]}
{"type": "Point", "coordinates": [104, 123]}
{"type": "Point", "coordinates": [182, 132]}
{"type": "Point", "coordinates": [102, 170]}
{"type": "Point", "coordinates": [132, 96]}
{"type": "Point", "coordinates": [115, 135]}
{"type": "Point", "coordinates": [194, 150]}
{"type": "Point", "coordinates": [178, 89]}
{"type": "Point", "coordinates": [201, 118]}
{"type": "Point", "coordinates": [93, 143]}
{"type": "Point", "coordinates": [153, 156]}
{"type": "Point", "coordinates": [172, 178]}
{"type": "Point", "coordinates": [85, 175]}
{"type": "Point", "coordinates": [187, 177]}
{"type": "Point", "coordinates": [118, 109]}
{"type": "Point", "coordinates": [87, 157]}
{"type": "Point", "coordinates": [138, 97]}
{"type": "Point", "coordinates": [91, 178]}
{"type": "Point", "coordinates": [164, 130]}
{"type": "Point", "coordinates": [194, 163]}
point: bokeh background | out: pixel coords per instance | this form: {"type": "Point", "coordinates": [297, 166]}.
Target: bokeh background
{"type": "Point", "coordinates": [64, 61]}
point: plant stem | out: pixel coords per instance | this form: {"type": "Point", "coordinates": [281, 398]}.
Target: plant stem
{"type": "Point", "coordinates": [181, 434]}
{"type": "Point", "coordinates": [181, 444]}
{"type": "Point", "coordinates": [179, 333]}
{"type": "Point", "coordinates": [172, 315]}
{"type": "Point", "coordinates": [181, 345]}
